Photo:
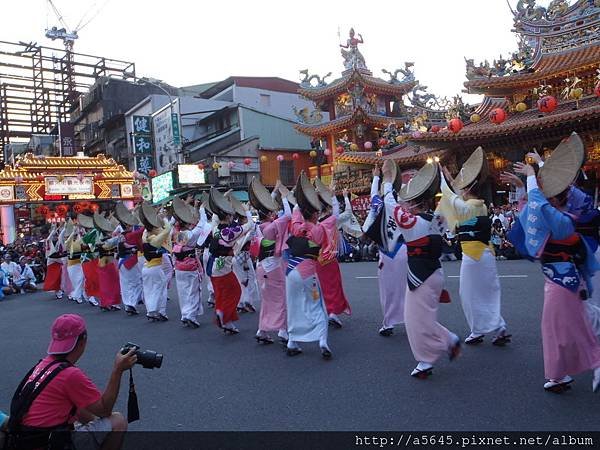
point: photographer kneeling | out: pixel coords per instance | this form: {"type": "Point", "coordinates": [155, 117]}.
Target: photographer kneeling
{"type": "Point", "coordinates": [64, 395]}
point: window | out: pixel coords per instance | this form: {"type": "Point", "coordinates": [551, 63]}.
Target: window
{"type": "Point", "coordinates": [265, 100]}
{"type": "Point", "coordinates": [286, 172]}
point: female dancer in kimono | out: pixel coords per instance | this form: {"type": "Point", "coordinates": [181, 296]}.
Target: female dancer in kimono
{"type": "Point", "coordinates": [306, 313]}
{"type": "Point", "coordinates": [188, 270]}
{"type": "Point", "coordinates": [54, 264]}
{"type": "Point", "coordinates": [220, 263]}
{"type": "Point", "coordinates": [155, 239]}
{"type": "Point", "coordinates": [328, 267]}
{"type": "Point", "coordinates": [421, 231]}
{"type": "Point", "coordinates": [548, 232]}
{"type": "Point", "coordinates": [74, 246]}
{"type": "Point", "coordinates": [270, 271]}
{"type": "Point", "coordinates": [479, 283]}
{"type": "Point", "coordinates": [392, 267]}
{"type": "Point", "coordinates": [108, 274]}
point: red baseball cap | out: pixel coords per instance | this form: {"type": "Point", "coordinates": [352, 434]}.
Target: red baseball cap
{"type": "Point", "coordinates": [65, 331]}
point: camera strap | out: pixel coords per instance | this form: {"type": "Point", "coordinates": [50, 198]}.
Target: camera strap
{"type": "Point", "coordinates": [133, 410]}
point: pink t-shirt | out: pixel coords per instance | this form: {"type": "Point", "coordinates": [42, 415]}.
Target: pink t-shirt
{"type": "Point", "coordinates": [70, 388]}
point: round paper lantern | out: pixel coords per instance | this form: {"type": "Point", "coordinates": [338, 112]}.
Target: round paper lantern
{"type": "Point", "coordinates": [547, 104]}
{"type": "Point", "coordinates": [435, 129]}
{"type": "Point", "coordinates": [475, 118]}
{"type": "Point", "coordinates": [340, 149]}
{"type": "Point", "coordinates": [201, 166]}
{"type": "Point", "coordinates": [576, 93]}
{"type": "Point", "coordinates": [295, 156]}
{"type": "Point", "coordinates": [368, 145]}
{"type": "Point", "coordinates": [43, 210]}
{"type": "Point", "coordinates": [327, 152]}
{"type": "Point", "coordinates": [152, 173]}
{"type": "Point", "coordinates": [94, 207]}
{"type": "Point", "coordinates": [231, 164]}
{"type": "Point", "coordinates": [263, 158]}
{"type": "Point", "coordinates": [61, 210]}
{"type": "Point", "coordinates": [247, 161]}
{"type": "Point", "coordinates": [416, 134]}
{"type": "Point", "coordinates": [597, 90]}
{"type": "Point", "coordinates": [279, 158]}
{"type": "Point", "coordinates": [382, 142]}
{"type": "Point", "coordinates": [216, 165]}
{"type": "Point", "coordinates": [521, 107]}
{"type": "Point", "coordinates": [497, 116]}
{"type": "Point", "coordinates": [455, 125]}
{"type": "Point", "coordinates": [353, 147]}
{"type": "Point", "coordinates": [77, 208]}
{"type": "Point", "coordinates": [312, 154]}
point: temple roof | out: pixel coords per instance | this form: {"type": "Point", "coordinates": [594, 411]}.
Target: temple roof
{"type": "Point", "coordinates": [405, 154]}
{"type": "Point", "coordinates": [554, 41]}
{"type": "Point", "coordinates": [546, 67]}
{"type": "Point", "coordinates": [519, 123]}
{"type": "Point", "coordinates": [375, 85]}
{"type": "Point", "coordinates": [341, 123]}
{"type": "Point", "coordinates": [30, 167]}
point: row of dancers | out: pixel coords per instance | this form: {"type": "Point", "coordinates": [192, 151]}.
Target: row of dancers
{"type": "Point", "coordinates": [297, 280]}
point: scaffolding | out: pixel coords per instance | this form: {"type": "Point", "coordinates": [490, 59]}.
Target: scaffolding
{"type": "Point", "coordinates": [41, 86]}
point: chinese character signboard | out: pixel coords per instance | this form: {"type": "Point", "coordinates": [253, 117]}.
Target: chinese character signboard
{"type": "Point", "coordinates": [66, 134]}
{"type": "Point", "coordinates": [142, 144]}
{"type": "Point", "coordinates": [144, 164]}
{"type": "Point", "coordinates": [165, 127]}
{"type": "Point", "coordinates": [141, 125]}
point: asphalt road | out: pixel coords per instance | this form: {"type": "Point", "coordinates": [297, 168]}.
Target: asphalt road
{"type": "Point", "coordinates": [210, 381]}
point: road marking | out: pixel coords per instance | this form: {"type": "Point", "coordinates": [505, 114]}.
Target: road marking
{"type": "Point", "coordinates": [453, 276]}
{"type": "Point", "coordinates": [499, 276]}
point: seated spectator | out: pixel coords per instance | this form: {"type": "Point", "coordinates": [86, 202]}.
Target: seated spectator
{"type": "Point", "coordinates": [26, 280]}
{"type": "Point", "coordinates": [70, 396]}
{"type": "Point", "coordinates": [11, 271]}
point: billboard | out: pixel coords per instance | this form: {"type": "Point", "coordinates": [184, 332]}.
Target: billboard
{"type": "Point", "coordinates": [166, 130]}
{"type": "Point", "coordinates": [190, 174]}
{"type": "Point", "coordinates": [162, 185]}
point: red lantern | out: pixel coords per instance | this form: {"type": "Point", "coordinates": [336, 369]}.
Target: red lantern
{"type": "Point", "coordinates": [43, 210]}
{"type": "Point", "coordinates": [455, 125]}
{"type": "Point", "coordinates": [339, 149]}
{"type": "Point", "coordinates": [94, 207]}
{"type": "Point", "coordinates": [547, 104]}
{"type": "Point", "coordinates": [61, 210]}
{"type": "Point", "coordinates": [597, 90]}
{"type": "Point", "coordinates": [247, 161]}
{"type": "Point", "coordinates": [152, 173]}
{"type": "Point", "coordinates": [382, 142]}
{"type": "Point", "coordinates": [295, 156]}
{"type": "Point", "coordinates": [435, 129]}
{"type": "Point", "coordinates": [77, 208]}
{"type": "Point", "coordinates": [201, 166]}
{"type": "Point", "coordinates": [497, 116]}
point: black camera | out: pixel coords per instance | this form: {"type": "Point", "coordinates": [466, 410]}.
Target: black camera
{"type": "Point", "coordinates": [148, 359]}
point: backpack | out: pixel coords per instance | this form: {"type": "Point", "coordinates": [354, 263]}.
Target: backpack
{"type": "Point", "coordinates": [21, 437]}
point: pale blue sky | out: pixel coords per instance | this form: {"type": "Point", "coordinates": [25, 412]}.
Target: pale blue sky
{"type": "Point", "coordinates": [187, 42]}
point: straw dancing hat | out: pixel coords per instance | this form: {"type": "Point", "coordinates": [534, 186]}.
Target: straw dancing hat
{"type": "Point", "coordinates": [474, 168]}
{"type": "Point", "coordinates": [102, 223]}
{"type": "Point", "coordinates": [562, 167]}
{"type": "Point", "coordinates": [204, 201]}
{"type": "Point", "coordinates": [260, 198]}
{"type": "Point", "coordinates": [85, 221]}
{"type": "Point", "coordinates": [308, 199]}
{"type": "Point", "coordinates": [182, 211]}
{"type": "Point", "coordinates": [148, 216]}
{"type": "Point", "coordinates": [124, 215]}
{"type": "Point", "coordinates": [324, 192]}
{"type": "Point", "coordinates": [219, 205]}
{"type": "Point", "coordinates": [236, 204]}
{"type": "Point", "coordinates": [425, 181]}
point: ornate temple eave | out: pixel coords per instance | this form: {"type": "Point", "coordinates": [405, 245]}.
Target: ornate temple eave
{"type": "Point", "coordinates": [408, 154]}
{"type": "Point", "coordinates": [549, 66]}
{"type": "Point", "coordinates": [98, 163]}
{"type": "Point", "coordinates": [373, 84]}
{"type": "Point", "coordinates": [341, 123]}
{"type": "Point", "coordinates": [521, 123]}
